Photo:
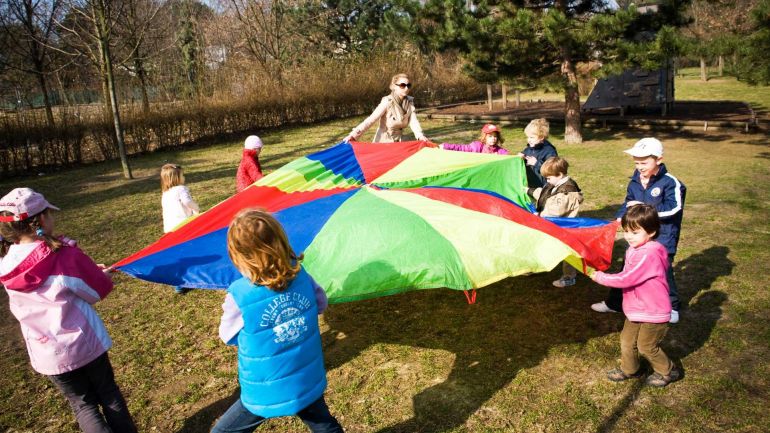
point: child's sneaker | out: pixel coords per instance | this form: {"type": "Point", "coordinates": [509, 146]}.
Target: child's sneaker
{"type": "Point", "coordinates": [564, 282]}
{"type": "Point", "coordinates": [674, 317]}
{"type": "Point", "coordinates": [601, 307]}
{"type": "Point", "coordinates": [617, 375]}
{"type": "Point", "coordinates": [659, 381]}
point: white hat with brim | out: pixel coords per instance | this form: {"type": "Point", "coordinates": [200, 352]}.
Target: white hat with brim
{"type": "Point", "coordinates": [647, 146]}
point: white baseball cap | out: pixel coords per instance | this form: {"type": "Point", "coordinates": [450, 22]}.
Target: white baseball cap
{"type": "Point", "coordinates": [647, 146]}
{"type": "Point", "coordinates": [253, 142]}
{"type": "Point", "coordinates": [23, 203]}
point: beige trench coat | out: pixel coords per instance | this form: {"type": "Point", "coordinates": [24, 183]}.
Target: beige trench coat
{"type": "Point", "coordinates": [391, 124]}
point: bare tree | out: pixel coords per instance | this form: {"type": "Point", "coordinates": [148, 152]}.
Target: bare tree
{"type": "Point", "coordinates": [137, 30]}
{"type": "Point", "coordinates": [29, 27]}
{"type": "Point", "coordinates": [90, 25]}
{"type": "Point", "coordinates": [712, 22]}
{"type": "Point", "coordinates": [268, 29]}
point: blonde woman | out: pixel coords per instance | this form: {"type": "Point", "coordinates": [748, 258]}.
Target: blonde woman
{"type": "Point", "coordinates": [395, 112]}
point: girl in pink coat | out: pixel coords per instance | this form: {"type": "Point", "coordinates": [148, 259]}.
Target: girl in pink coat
{"type": "Point", "coordinates": [51, 285]}
{"type": "Point", "coordinates": [489, 142]}
{"type": "Point", "coordinates": [646, 303]}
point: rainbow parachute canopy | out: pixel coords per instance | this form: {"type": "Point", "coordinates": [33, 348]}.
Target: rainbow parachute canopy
{"type": "Point", "coordinates": [379, 219]}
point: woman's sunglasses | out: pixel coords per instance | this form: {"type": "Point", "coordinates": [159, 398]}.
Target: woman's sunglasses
{"type": "Point", "coordinates": [404, 85]}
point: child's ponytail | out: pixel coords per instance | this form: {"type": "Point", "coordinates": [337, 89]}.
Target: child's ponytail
{"type": "Point", "coordinates": [12, 232]}
{"type": "Point", "coordinates": [4, 245]}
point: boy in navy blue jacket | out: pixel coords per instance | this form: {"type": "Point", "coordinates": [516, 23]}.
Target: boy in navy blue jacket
{"type": "Point", "coordinates": [652, 184]}
{"type": "Point", "coordinates": [538, 150]}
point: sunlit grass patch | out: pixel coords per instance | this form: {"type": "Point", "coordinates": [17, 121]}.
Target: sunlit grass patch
{"type": "Point", "coordinates": [527, 357]}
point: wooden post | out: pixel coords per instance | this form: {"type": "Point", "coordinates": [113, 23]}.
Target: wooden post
{"type": "Point", "coordinates": [518, 98]}
{"type": "Point", "coordinates": [489, 96]}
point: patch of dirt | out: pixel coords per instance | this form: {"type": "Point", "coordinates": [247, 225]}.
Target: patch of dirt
{"type": "Point", "coordinates": [733, 111]}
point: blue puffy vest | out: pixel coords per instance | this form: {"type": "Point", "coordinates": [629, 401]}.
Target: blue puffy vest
{"type": "Point", "coordinates": [280, 361]}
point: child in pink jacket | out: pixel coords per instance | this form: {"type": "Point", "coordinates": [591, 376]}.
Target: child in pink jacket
{"type": "Point", "coordinates": [646, 303]}
{"type": "Point", "coordinates": [489, 142]}
{"type": "Point", "coordinates": [51, 285]}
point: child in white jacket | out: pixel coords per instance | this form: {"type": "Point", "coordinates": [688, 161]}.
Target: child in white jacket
{"type": "Point", "coordinates": [177, 202]}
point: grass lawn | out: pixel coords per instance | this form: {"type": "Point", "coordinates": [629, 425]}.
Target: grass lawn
{"type": "Point", "coordinates": [526, 358]}
{"type": "Point", "coordinates": [689, 88]}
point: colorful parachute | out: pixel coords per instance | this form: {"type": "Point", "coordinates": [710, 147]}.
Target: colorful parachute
{"type": "Point", "coordinates": [378, 219]}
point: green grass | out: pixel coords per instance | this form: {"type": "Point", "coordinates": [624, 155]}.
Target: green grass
{"type": "Point", "coordinates": [688, 87]}
{"type": "Point", "coordinates": [526, 357]}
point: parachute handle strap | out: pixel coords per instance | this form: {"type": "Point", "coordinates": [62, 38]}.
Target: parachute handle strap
{"type": "Point", "coordinates": [470, 295]}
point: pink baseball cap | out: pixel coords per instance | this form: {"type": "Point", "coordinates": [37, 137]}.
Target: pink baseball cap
{"type": "Point", "coordinates": [490, 128]}
{"type": "Point", "coordinates": [253, 142]}
{"type": "Point", "coordinates": [23, 203]}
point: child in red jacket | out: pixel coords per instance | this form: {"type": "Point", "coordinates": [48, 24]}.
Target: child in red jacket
{"type": "Point", "coordinates": [249, 170]}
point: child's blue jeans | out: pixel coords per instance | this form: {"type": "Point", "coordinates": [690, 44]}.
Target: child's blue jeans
{"type": "Point", "coordinates": [238, 419]}
{"type": "Point", "coordinates": [93, 386]}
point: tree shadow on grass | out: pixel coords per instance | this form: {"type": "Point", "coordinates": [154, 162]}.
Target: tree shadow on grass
{"type": "Point", "coordinates": [606, 213]}
{"type": "Point", "coordinates": [679, 133]}
{"type": "Point", "coordinates": [512, 327]}
{"type": "Point", "coordinates": [203, 420]}
{"type": "Point", "coordinates": [436, 133]}
{"type": "Point", "coordinates": [76, 198]}
{"type": "Point", "coordinates": [695, 274]}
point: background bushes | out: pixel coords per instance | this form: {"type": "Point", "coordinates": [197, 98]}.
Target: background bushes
{"type": "Point", "coordinates": [84, 133]}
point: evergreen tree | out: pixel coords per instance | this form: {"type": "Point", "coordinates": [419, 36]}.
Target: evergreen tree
{"type": "Point", "coordinates": [542, 41]}
{"type": "Point", "coordinates": [190, 46]}
{"type": "Point", "coordinates": [753, 63]}
{"type": "Point", "coordinates": [349, 27]}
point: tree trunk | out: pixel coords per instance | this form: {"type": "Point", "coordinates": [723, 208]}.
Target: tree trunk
{"type": "Point", "coordinates": [703, 71]}
{"type": "Point", "coordinates": [505, 96]}
{"type": "Point", "coordinates": [572, 122]}
{"type": "Point", "coordinates": [42, 82]}
{"type": "Point", "coordinates": [62, 91]}
{"type": "Point", "coordinates": [721, 65]}
{"type": "Point", "coordinates": [104, 49]}
{"type": "Point", "coordinates": [489, 96]}
{"type": "Point", "coordinates": [142, 75]}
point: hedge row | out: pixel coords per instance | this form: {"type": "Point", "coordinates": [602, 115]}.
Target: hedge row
{"type": "Point", "coordinates": [27, 144]}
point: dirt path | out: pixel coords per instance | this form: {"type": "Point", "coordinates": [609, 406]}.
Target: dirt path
{"type": "Point", "coordinates": [712, 113]}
